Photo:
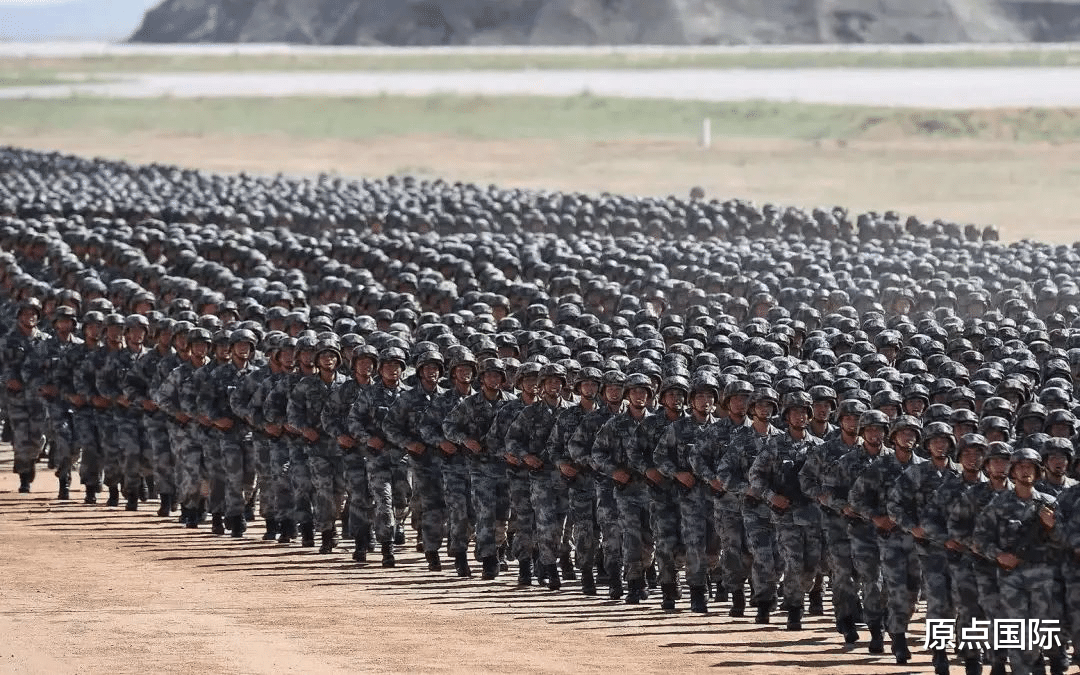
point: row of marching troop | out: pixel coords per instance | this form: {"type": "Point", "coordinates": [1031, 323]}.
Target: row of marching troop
{"type": "Point", "coordinates": [559, 384]}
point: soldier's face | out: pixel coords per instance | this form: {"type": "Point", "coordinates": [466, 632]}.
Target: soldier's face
{"type": "Point", "coordinates": [873, 435]}
{"type": "Point", "coordinates": [362, 369]}
{"type": "Point", "coordinates": [114, 334]}
{"type": "Point", "coordinates": [997, 467]}
{"type": "Point", "coordinates": [938, 447]}
{"type": "Point", "coordinates": [242, 350]}
{"type": "Point", "coordinates": [429, 374]}
{"type": "Point", "coordinates": [530, 385]}
{"type": "Point", "coordinates": [890, 411]}
{"type": "Point", "coordinates": [673, 399]}
{"type": "Point", "coordinates": [328, 361]}
{"type": "Point", "coordinates": [612, 394]}
{"type": "Point", "coordinates": [164, 339]}
{"type": "Point", "coordinates": [1060, 430]}
{"type": "Point", "coordinates": [462, 375]}
{"type": "Point", "coordinates": [287, 358]}
{"type": "Point", "coordinates": [762, 410]}
{"type": "Point", "coordinates": [849, 424]}
{"type": "Point", "coordinates": [738, 405]}
{"type": "Point", "coordinates": [588, 389]}
{"type": "Point", "coordinates": [914, 407]}
{"type": "Point", "coordinates": [28, 319]}
{"type": "Point", "coordinates": [64, 326]}
{"type": "Point", "coordinates": [905, 439]}
{"type": "Point", "coordinates": [822, 410]}
{"type": "Point", "coordinates": [995, 435]}
{"type": "Point", "coordinates": [971, 458]}
{"type": "Point", "coordinates": [134, 337]}
{"type": "Point", "coordinates": [638, 397]}
{"type": "Point", "coordinates": [390, 372]}
{"type": "Point", "coordinates": [1057, 464]}
{"type": "Point", "coordinates": [1031, 425]}
{"type": "Point", "coordinates": [199, 349]}
{"type": "Point", "coordinates": [492, 380]}
{"type": "Point", "coordinates": [797, 418]}
{"type": "Point", "coordinates": [1024, 473]}
{"type": "Point", "coordinates": [551, 388]}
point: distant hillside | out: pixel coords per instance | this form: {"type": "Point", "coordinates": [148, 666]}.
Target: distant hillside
{"type": "Point", "coordinates": [591, 22]}
{"type": "Point", "coordinates": [74, 19]}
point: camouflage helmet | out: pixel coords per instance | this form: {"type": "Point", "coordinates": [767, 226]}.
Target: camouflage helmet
{"type": "Point", "coordinates": [765, 395]}
{"type": "Point", "coordinates": [549, 370]}
{"type": "Point", "coordinates": [199, 334]}
{"type": "Point", "coordinates": [393, 354]}
{"type": "Point", "coordinates": [463, 357]}
{"type": "Point", "coordinates": [998, 449]}
{"type": "Point", "coordinates": [705, 382]}
{"type": "Point", "coordinates": [639, 381]}
{"type": "Point", "coordinates": [796, 400]}
{"type": "Point", "coordinates": [613, 378]}
{"type": "Point", "coordinates": [366, 351]}
{"type": "Point", "coordinates": [1060, 417]}
{"type": "Point", "coordinates": [1058, 446]}
{"type": "Point", "coordinates": [823, 393]}
{"type": "Point", "coordinates": [114, 319]}
{"type": "Point", "coordinates": [906, 422]}
{"type": "Point", "coordinates": [737, 388]}
{"type": "Point", "coordinates": [93, 317]}
{"type": "Point", "coordinates": [587, 374]}
{"type": "Point", "coordinates": [851, 407]}
{"type": "Point", "coordinates": [243, 335]}
{"type": "Point", "coordinates": [674, 383]}
{"type": "Point", "coordinates": [307, 343]}
{"type": "Point", "coordinates": [996, 406]}
{"type": "Point", "coordinates": [873, 418]}
{"type": "Point", "coordinates": [977, 441]}
{"type": "Point", "coordinates": [31, 304]}
{"type": "Point", "coordinates": [493, 365]}
{"type": "Point", "coordinates": [530, 369]}
{"type": "Point", "coordinates": [939, 430]}
{"type": "Point", "coordinates": [65, 312]}
{"type": "Point", "coordinates": [430, 356]}
{"type": "Point", "coordinates": [1026, 455]}
{"type": "Point", "coordinates": [994, 423]}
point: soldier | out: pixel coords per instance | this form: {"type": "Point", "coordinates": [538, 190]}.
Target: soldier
{"type": "Point", "coordinates": [467, 426]}
{"type": "Point", "coordinates": [128, 412]}
{"type": "Point", "coordinates": [143, 380]}
{"type": "Point", "coordinates": [611, 457]}
{"type": "Point", "coordinates": [455, 472]}
{"type": "Point", "coordinates": [334, 423]}
{"type": "Point", "coordinates": [865, 549]}
{"type": "Point", "coordinates": [527, 382]}
{"type": "Point", "coordinates": [824, 399]}
{"type": "Point", "coordinates": [564, 496]}
{"type": "Point", "coordinates": [276, 411]}
{"type": "Point", "coordinates": [1057, 456]}
{"type": "Point", "coordinates": [579, 449]}
{"type": "Point", "coordinates": [663, 498]}
{"type": "Point", "coordinates": [78, 391]}
{"type": "Point", "coordinates": [812, 479]}
{"type": "Point", "coordinates": [45, 371]}
{"type": "Point", "coordinates": [365, 424]}
{"type": "Point", "coordinates": [269, 406]}
{"type": "Point", "coordinates": [775, 476]}
{"type": "Point", "coordinates": [203, 396]}
{"type": "Point", "coordinates": [1069, 516]}
{"type": "Point", "coordinates": [733, 475]}
{"type": "Point", "coordinates": [246, 406]}
{"type": "Point", "coordinates": [325, 457]}
{"type": "Point", "coordinates": [672, 455]}
{"type": "Point", "coordinates": [535, 485]}
{"type": "Point", "coordinates": [235, 436]}
{"type": "Point", "coordinates": [961, 527]}
{"type": "Point", "coordinates": [24, 408]}
{"type": "Point", "coordinates": [1017, 529]}
{"type": "Point", "coordinates": [174, 397]}
{"type": "Point", "coordinates": [105, 405]}
{"type": "Point", "coordinates": [402, 429]}
{"type": "Point", "coordinates": [909, 506]}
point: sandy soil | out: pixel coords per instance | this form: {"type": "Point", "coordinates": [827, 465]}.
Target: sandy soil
{"type": "Point", "coordinates": [93, 589]}
{"type": "Point", "coordinates": [1028, 190]}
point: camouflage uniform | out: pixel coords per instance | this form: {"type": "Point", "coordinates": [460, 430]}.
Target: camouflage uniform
{"type": "Point", "coordinates": [366, 419]}
{"type": "Point", "coordinates": [48, 366]}
{"type": "Point", "coordinates": [611, 452]}
{"type": "Point", "coordinates": [190, 473]}
{"type": "Point", "coordinates": [26, 414]}
{"type": "Point", "coordinates": [235, 443]}
{"type": "Point", "coordinates": [105, 419]}
{"type": "Point", "coordinates": [734, 473]}
{"type": "Point", "coordinates": [403, 427]}
{"type": "Point", "coordinates": [149, 373]}
{"type": "Point", "coordinates": [899, 562]}
{"type": "Point", "coordinates": [565, 507]}
{"type": "Point", "coordinates": [663, 498]}
{"type": "Point", "coordinates": [84, 427]}
{"type": "Point", "coordinates": [534, 493]}
{"type": "Point", "coordinates": [326, 459]}
{"type": "Point", "coordinates": [604, 512]}
{"type": "Point", "coordinates": [735, 558]}
{"type": "Point", "coordinates": [334, 423]}
{"type": "Point", "coordinates": [961, 527]}
{"type": "Point", "coordinates": [1069, 515]}
{"type": "Point", "coordinates": [268, 406]}
{"type": "Point", "coordinates": [455, 470]}
{"type": "Point", "coordinates": [775, 471]}
{"type": "Point", "coordinates": [497, 472]}
{"type": "Point", "coordinates": [672, 455]}
{"type": "Point", "coordinates": [909, 505]}
{"type": "Point", "coordinates": [862, 535]}
{"type": "Point", "coordinates": [1010, 524]}
{"type": "Point", "coordinates": [812, 479]}
{"type": "Point", "coordinates": [128, 428]}
{"type": "Point", "coordinates": [290, 461]}
{"type": "Point", "coordinates": [202, 396]}
{"type": "Point", "coordinates": [246, 406]}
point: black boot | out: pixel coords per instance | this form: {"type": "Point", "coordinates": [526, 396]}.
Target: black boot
{"type": "Point", "coordinates": [763, 611]}
{"type": "Point", "coordinates": [217, 524]}
{"type": "Point", "coordinates": [721, 594]}
{"type": "Point", "coordinates": [847, 629]}
{"type": "Point", "coordinates": [668, 594]}
{"type": "Point", "coordinates": [567, 566]}
{"type": "Point", "coordinates": [651, 581]}
{"type": "Point", "coordinates": [64, 492]}
{"type": "Point", "coordinates": [114, 496]}
{"type": "Point", "coordinates": [329, 541]}
{"type": "Point", "coordinates": [635, 591]}
{"type": "Point", "coordinates": [359, 553]}
{"type": "Point", "coordinates": [504, 565]}
{"type": "Point", "coordinates": [738, 603]}
{"type": "Point", "coordinates": [25, 479]}
{"type": "Point", "coordinates": [900, 648]}
{"type": "Point", "coordinates": [615, 587]}
{"type": "Point", "coordinates": [698, 602]}
{"type": "Point", "coordinates": [237, 527]}
{"type": "Point", "coordinates": [461, 565]}
{"type": "Point", "coordinates": [271, 530]}
{"type": "Point", "coordinates": [434, 562]}
{"type": "Point", "coordinates": [525, 575]}
{"type": "Point", "coordinates": [388, 559]}
{"type": "Point", "coordinates": [997, 663]}
{"type": "Point", "coordinates": [490, 565]}
{"type": "Point", "coordinates": [817, 606]}
{"type": "Point", "coordinates": [90, 495]}
{"type": "Point", "coordinates": [554, 581]}
{"type": "Point", "coordinates": [941, 662]}
{"type": "Point", "coordinates": [588, 583]}
{"type": "Point", "coordinates": [539, 571]}
{"type": "Point", "coordinates": [142, 493]}
{"type": "Point", "coordinates": [287, 532]}
{"type": "Point", "coordinates": [399, 535]}
{"type": "Point", "coordinates": [973, 666]}
{"type": "Point", "coordinates": [132, 503]}
{"type": "Point", "coordinates": [192, 520]}
{"type": "Point", "coordinates": [794, 618]}
{"type": "Point", "coordinates": [165, 507]}
{"type": "Point", "coordinates": [877, 637]}
{"type": "Point", "coordinates": [307, 535]}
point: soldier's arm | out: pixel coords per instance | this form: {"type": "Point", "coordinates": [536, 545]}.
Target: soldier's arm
{"type": "Point", "coordinates": [665, 450]}
{"type": "Point", "coordinates": [455, 426]}
{"type": "Point", "coordinates": [600, 457]}
{"type": "Point", "coordinates": [900, 503]}
{"type": "Point", "coordinates": [578, 446]}
{"type": "Point", "coordinates": [810, 474]}
{"type": "Point", "coordinates": [961, 518]}
{"type": "Point", "coordinates": [518, 436]}
{"type": "Point", "coordinates": [700, 458]}
{"type": "Point", "coordinates": [397, 428]}
{"type": "Point", "coordinates": [359, 419]}
{"type": "Point", "coordinates": [984, 537]}
{"type": "Point", "coordinates": [430, 426]}
{"type": "Point", "coordinates": [859, 495]}
{"type": "Point", "coordinates": [761, 472]}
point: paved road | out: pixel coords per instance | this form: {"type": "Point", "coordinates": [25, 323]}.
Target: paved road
{"type": "Point", "coordinates": [921, 88]}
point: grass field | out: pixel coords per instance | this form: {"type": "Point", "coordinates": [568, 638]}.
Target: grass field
{"type": "Point", "coordinates": [581, 117]}
{"type": "Point", "coordinates": [12, 68]}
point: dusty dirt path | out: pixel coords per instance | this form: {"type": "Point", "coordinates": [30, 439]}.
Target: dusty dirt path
{"type": "Point", "coordinates": [93, 589]}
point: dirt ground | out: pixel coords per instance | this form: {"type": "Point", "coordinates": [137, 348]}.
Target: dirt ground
{"type": "Point", "coordinates": [1027, 189]}
{"type": "Point", "coordinates": [86, 589]}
